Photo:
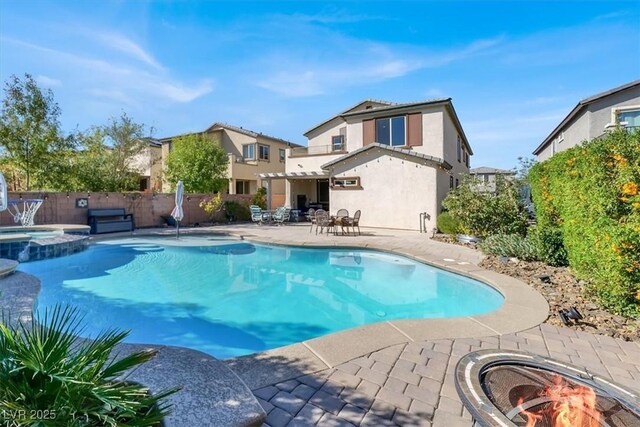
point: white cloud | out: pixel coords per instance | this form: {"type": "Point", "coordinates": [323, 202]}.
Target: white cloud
{"type": "Point", "coordinates": [352, 62]}
{"type": "Point", "coordinates": [48, 81]}
{"type": "Point", "coordinates": [127, 46]}
{"type": "Point", "coordinates": [124, 82]}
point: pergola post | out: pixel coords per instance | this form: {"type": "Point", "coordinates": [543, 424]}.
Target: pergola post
{"type": "Point", "coordinates": [268, 184]}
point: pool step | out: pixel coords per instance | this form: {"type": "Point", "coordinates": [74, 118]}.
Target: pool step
{"type": "Point", "coordinates": [7, 266]}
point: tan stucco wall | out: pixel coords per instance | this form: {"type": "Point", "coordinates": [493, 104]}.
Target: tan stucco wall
{"type": "Point", "coordinates": [394, 191]}
{"type": "Point", "coordinates": [322, 136]}
{"type": "Point", "coordinates": [450, 148]}
{"type": "Point", "coordinates": [308, 163]}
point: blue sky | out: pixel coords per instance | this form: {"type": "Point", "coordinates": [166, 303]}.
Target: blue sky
{"type": "Point", "coordinates": [514, 69]}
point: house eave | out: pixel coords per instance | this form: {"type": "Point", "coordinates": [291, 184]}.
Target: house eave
{"type": "Point", "coordinates": [394, 151]}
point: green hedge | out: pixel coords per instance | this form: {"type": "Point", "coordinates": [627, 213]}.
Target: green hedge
{"type": "Point", "coordinates": [447, 224]}
{"type": "Point", "coordinates": [591, 193]}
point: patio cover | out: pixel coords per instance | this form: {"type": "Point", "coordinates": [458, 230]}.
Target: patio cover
{"type": "Point", "coordinates": [294, 175]}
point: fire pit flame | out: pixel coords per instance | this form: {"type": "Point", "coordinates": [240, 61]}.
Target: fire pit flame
{"type": "Point", "coordinates": [563, 404]}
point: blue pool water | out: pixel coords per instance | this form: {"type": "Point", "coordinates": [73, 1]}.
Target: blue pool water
{"type": "Point", "coordinates": [230, 298]}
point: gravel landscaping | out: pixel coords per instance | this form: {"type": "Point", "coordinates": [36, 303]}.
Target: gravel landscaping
{"type": "Point", "coordinates": [562, 291]}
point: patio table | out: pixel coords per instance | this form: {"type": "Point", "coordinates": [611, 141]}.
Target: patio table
{"type": "Point", "coordinates": [337, 221]}
{"type": "Point", "coordinates": [268, 214]}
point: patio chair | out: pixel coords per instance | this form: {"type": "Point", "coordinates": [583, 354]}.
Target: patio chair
{"type": "Point", "coordinates": [282, 215]}
{"type": "Point", "coordinates": [311, 215]}
{"type": "Point", "coordinates": [353, 222]}
{"type": "Point", "coordinates": [323, 220]}
{"type": "Point", "coordinates": [256, 214]}
{"type": "Point", "coordinates": [340, 215]}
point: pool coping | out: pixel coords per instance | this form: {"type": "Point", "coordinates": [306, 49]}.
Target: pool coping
{"type": "Point", "coordinates": [523, 308]}
{"type": "Point", "coordinates": [17, 236]}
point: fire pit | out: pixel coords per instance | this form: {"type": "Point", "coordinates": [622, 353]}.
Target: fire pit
{"type": "Point", "coordinates": [512, 388]}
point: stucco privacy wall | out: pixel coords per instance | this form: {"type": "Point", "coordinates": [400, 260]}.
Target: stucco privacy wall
{"type": "Point", "coordinates": [147, 208]}
{"type": "Point", "coordinates": [394, 191]}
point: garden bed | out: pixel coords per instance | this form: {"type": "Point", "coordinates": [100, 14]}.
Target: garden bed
{"type": "Point", "coordinates": [565, 291]}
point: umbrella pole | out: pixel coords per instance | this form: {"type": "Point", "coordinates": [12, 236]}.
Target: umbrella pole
{"type": "Point", "coordinates": [177, 230]}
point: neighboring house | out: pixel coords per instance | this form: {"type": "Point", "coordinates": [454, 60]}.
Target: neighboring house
{"type": "Point", "coordinates": [391, 161]}
{"type": "Point", "coordinates": [250, 153]}
{"type": "Point", "coordinates": [592, 117]}
{"type": "Point", "coordinates": [149, 165]}
{"type": "Point", "coordinates": [486, 177]}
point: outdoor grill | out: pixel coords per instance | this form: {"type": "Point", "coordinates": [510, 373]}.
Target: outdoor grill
{"type": "Point", "coordinates": [512, 388]}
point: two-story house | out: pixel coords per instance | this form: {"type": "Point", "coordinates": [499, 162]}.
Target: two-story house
{"type": "Point", "coordinates": [486, 178]}
{"type": "Point", "coordinates": [391, 161]}
{"type": "Point", "coordinates": [592, 117]}
{"type": "Point", "coordinates": [250, 154]}
{"type": "Point", "coordinates": [148, 164]}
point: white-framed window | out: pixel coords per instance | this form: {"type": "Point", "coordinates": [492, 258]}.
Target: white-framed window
{"type": "Point", "coordinates": [391, 131]}
{"type": "Point", "coordinates": [450, 182]}
{"type": "Point", "coordinates": [249, 151]}
{"type": "Point", "coordinates": [263, 152]}
{"type": "Point", "coordinates": [627, 116]}
{"type": "Point", "coordinates": [282, 154]}
{"type": "Point", "coordinates": [337, 143]}
{"type": "Point", "coordinates": [345, 183]}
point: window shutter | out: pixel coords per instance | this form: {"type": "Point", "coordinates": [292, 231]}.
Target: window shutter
{"type": "Point", "coordinates": [368, 131]}
{"type": "Point", "coordinates": [414, 129]}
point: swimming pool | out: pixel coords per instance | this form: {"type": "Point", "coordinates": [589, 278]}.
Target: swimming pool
{"type": "Point", "coordinates": [230, 298]}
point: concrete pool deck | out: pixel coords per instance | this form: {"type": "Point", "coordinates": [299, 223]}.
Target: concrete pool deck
{"type": "Point", "coordinates": [397, 373]}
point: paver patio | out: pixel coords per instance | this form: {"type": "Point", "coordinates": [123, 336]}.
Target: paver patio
{"type": "Point", "coordinates": [412, 384]}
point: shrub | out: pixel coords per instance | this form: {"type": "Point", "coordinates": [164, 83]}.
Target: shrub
{"type": "Point", "coordinates": [47, 373]}
{"type": "Point", "coordinates": [447, 224]}
{"type": "Point", "coordinates": [483, 213]}
{"type": "Point", "coordinates": [260, 198]}
{"type": "Point", "coordinates": [549, 246]}
{"type": "Point", "coordinates": [591, 192]}
{"type": "Point", "coordinates": [510, 245]}
{"type": "Point", "coordinates": [236, 211]}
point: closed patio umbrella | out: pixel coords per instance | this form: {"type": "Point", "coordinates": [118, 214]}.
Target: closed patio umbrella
{"type": "Point", "coordinates": [4, 196]}
{"type": "Point", "coordinates": [177, 213]}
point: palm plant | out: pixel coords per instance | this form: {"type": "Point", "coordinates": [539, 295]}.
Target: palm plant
{"type": "Point", "coordinates": [50, 377]}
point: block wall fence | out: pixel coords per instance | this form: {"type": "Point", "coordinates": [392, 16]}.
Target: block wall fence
{"type": "Point", "coordinates": [147, 208]}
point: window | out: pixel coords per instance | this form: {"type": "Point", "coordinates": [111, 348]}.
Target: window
{"type": "Point", "coordinates": [456, 182]}
{"type": "Point", "coordinates": [450, 182]}
{"type": "Point", "coordinates": [248, 151]}
{"type": "Point", "coordinates": [345, 183]}
{"type": "Point", "coordinates": [263, 152]}
{"type": "Point", "coordinates": [337, 143]}
{"type": "Point", "coordinates": [459, 149]}
{"type": "Point", "coordinates": [629, 119]}
{"type": "Point", "coordinates": [391, 131]}
{"type": "Point", "coordinates": [242, 187]}
{"type": "Point", "coordinates": [282, 154]}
